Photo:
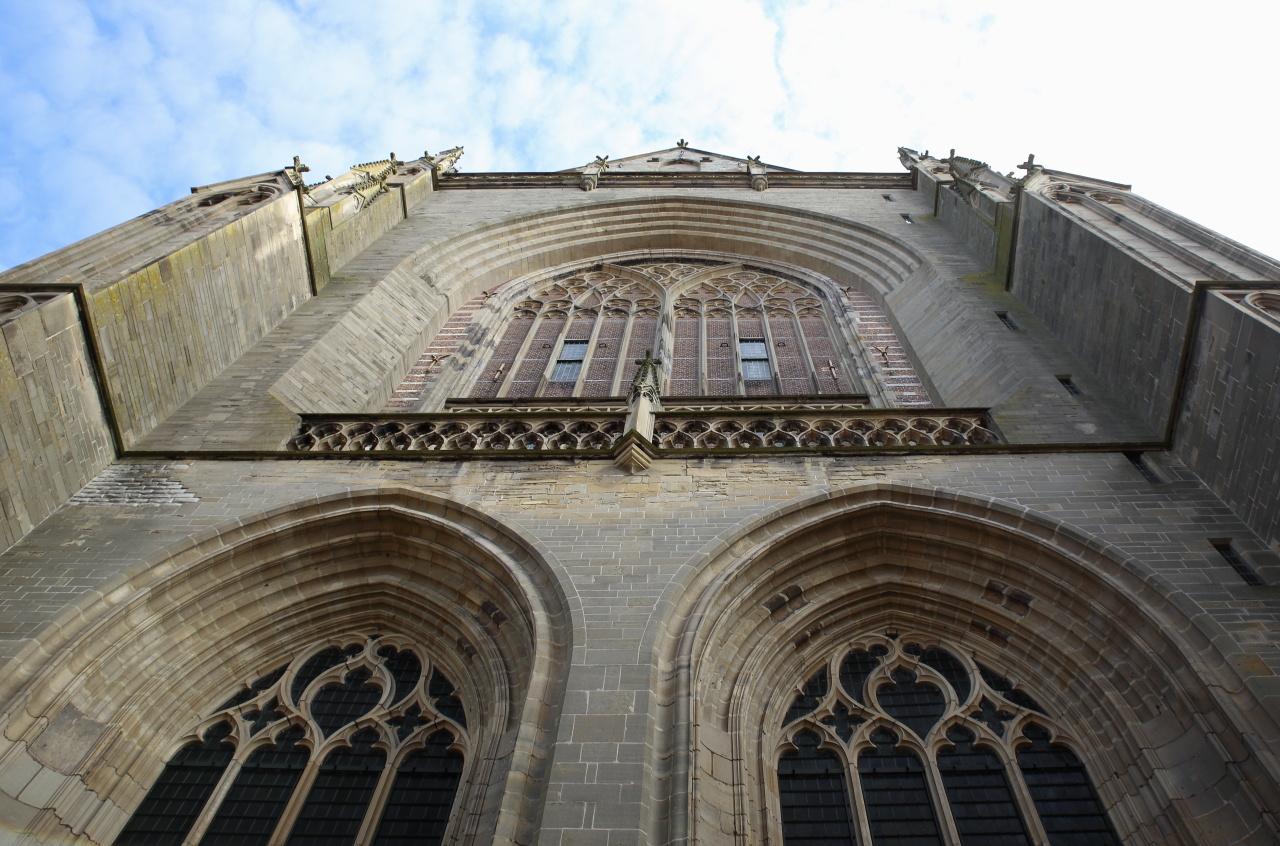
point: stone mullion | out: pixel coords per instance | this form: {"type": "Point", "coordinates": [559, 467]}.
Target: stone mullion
{"type": "Point", "coordinates": [299, 798]}
{"type": "Point", "coordinates": [770, 350]}
{"type": "Point", "coordinates": [620, 366]}
{"type": "Point", "coordinates": [803, 340]}
{"type": "Point", "coordinates": [505, 388]}
{"type": "Point", "coordinates": [378, 801]}
{"type": "Point", "coordinates": [1022, 796]}
{"type": "Point", "coordinates": [556, 346]}
{"type": "Point", "coordinates": [581, 381]}
{"type": "Point", "coordinates": [703, 387]}
{"type": "Point", "coordinates": [938, 795]}
{"type": "Point", "coordinates": [859, 802]}
{"type": "Point", "coordinates": [210, 810]}
{"type": "Point", "coordinates": [735, 351]}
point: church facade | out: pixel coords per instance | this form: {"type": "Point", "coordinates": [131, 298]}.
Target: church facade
{"type": "Point", "coordinates": [672, 499]}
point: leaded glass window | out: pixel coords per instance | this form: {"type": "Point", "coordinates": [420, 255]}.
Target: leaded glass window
{"type": "Point", "coordinates": [897, 739]}
{"type": "Point", "coordinates": [734, 330]}
{"type": "Point", "coordinates": [362, 737]}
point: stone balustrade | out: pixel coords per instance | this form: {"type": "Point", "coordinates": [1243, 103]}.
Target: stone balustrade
{"type": "Point", "coordinates": [675, 432]}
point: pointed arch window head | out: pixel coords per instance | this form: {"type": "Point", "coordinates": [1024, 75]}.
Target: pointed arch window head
{"type": "Point", "coordinates": [915, 738]}
{"type": "Point", "coordinates": [723, 330]}
{"type": "Point", "coordinates": [359, 739]}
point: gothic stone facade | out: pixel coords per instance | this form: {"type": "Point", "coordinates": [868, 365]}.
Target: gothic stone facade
{"type": "Point", "coordinates": [680, 498]}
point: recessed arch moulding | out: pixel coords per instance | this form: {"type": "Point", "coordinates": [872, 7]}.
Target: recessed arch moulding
{"type": "Point", "coordinates": [1177, 745]}
{"type": "Point", "coordinates": [103, 699]}
{"type": "Point", "coordinates": [353, 369]}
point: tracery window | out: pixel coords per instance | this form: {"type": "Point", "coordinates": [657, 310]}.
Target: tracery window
{"type": "Point", "coordinates": [574, 336]}
{"type": "Point", "coordinates": [751, 311]}
{"type": "Point", "coordinates": [915, 738]}
{"type": "Point", "coordinates": [360, 740]}
{"type": "Point", "coordinates": [732, 330]}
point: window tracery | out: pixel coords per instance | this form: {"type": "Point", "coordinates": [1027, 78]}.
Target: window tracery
{"type": "Point", "coordinates": [356, 740]}
{"type": "Point", "coordinates": [742, 305]}
{"type": "Point", "coordinates": [614, 318]}
{"type": "Point", "coordinates": [734, 331]}
{"type": "Point", "coordinates": [915, 738]}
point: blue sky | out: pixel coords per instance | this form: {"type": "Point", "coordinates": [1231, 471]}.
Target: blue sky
{"type": "Point", "coordinates": [109, 109]}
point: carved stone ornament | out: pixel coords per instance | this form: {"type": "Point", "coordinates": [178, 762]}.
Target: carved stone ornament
{"type": "Point", "coordinates": [591, 173]}
{"type": "Point", "coordinates": [647, 378]}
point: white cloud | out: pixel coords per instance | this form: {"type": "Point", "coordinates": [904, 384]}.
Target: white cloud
{"type": "Point", "coordinates": [110, 109]}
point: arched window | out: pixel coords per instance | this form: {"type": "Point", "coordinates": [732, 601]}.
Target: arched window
{"type": "Point", "coordinates": [578, 335]}
{"type": "Point", "coordinates": [916, 738]}
{"type": "Point", "coordinates": [750, 332]}
{"type": "Point", "coordinates": [725, 330]}
{"type": "Point", "coordinates": [355, 740]}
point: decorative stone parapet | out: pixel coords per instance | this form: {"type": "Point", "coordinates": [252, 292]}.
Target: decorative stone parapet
{"type": "Point", "coordinates": [597, 435]}
{"type": "Point", "coordinates": [884, 428]}
{"type": "Point", "coordinates": [458, 434]}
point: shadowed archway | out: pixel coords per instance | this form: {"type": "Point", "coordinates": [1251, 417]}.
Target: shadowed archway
{"type": "Point", "coordinates": [1179, 747]}
{"type": "Point", "coordinates": [120, 683]}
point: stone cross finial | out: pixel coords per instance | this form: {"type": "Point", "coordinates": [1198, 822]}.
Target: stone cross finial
{"type": "Point", "coordinates": [682, 143]}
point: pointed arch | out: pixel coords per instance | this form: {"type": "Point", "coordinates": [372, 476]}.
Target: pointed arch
{"type": "Point", "coordinates": [1117, 654]}
{"type": "Point", "coordinates": [139, 668]}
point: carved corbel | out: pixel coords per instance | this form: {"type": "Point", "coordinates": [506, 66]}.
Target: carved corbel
{"type": "Point", "coordinates": [591, 173]}
{"type": "Point", "coordinates": [758, 172]}
{"type": "Point", "coordinates": [635, 450]}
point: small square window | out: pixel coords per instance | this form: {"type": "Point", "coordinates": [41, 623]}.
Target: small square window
{"type": "Point", "coordinates": [752, 348]}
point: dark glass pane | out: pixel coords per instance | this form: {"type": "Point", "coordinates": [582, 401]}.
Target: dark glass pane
{"type": "Point", "coordinates": [180, 793]}
{"type": "Point", "coordinates": [251, 809]}
{"type": "Point", "coordinates": [446, 698]}
{"type": "Point", "coordinates": [566, 371]}
{"type": "Point", "coordinates": [314, 666]}
{"type": "Point", "coordinates": [405, 668]}
{"type": "Point", "coordinates": [573, 351]}
{"type": "Point", "coordinates": [814, 796]}
{"type": "Point", "coordinates": [982, 804]}
{"type": "Point", "coordinates": [756, 370]}
{"type": "Point", "coordinates": [752, 349]}
{"type": "Point", "coordinates": [843, 722]}
{"type": "Point", "coordinates": [262, 717]}
{"type": "Point", "coordinates": [335, 705]}
{"type": "Point", "coordinates": [855, 669]}
{"type": "Point", "coordinates": [340, 794]}
{"type": "Point", "coordinates": [1005, 688]}
{"type": "Point", "coordinates": [897, 795]}
{"type": "Point", "coordinates": [993, 715]}
{"type": "Point", "coordinates": [254, 689]}
{"type": "Point", "coordinates": [809, 697]}
{"type": "Point", "coordinates": [915, 703]}
{"type": "Point", "coordinates": [951, 669]}
{"type": "Point", "coordinates": [1064, 797]}
{"type": "Point", "coordinates": [421, 797]}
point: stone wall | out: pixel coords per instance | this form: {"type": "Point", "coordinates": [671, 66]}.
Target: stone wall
{"type": "Point", "coordinates": [618, 545]}
{"type": "Point", "coordinates": [1123, 319]}
{"type": "Point", "coordinates": [1228, 428]}
{"type": "Point", "coordinates": [53, 435]}
{"type": "Point", "coordinates": [166, 329]}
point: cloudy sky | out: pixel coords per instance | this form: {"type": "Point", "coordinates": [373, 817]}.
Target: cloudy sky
{"type": "Point", "coordinates": [109, 109]}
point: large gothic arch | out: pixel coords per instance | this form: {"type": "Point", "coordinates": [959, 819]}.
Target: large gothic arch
{"type": "Point", "coordinates": [1157, 713]}
{"type": "Point", "coordinates": [449, 270]}
{"type": "Point", "coordinates": [105, 698]}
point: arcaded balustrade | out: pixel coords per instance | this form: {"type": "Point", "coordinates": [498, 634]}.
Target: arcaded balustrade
{"type": "Point", "coordinates": [600, 433]}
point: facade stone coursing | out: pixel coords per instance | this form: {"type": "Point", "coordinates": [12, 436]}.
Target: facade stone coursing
{"type": "Point", "coordinates": [616, 625]}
